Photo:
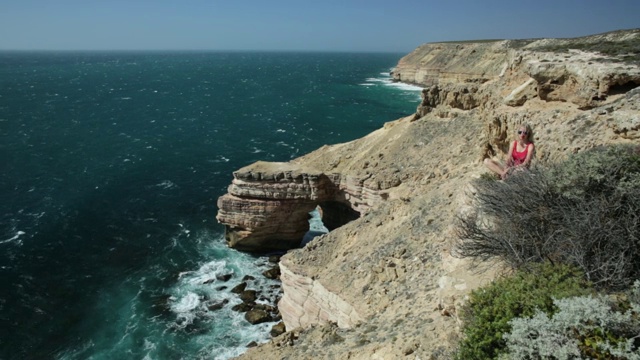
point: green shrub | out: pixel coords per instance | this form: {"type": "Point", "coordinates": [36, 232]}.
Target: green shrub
{"type": "Point", "coordinates": [583, 327]}
{"type": "Point", "coordinates": [604, 171]}
{"type": "Point", "coordinates": [487, 314]}
{"type": "Point", "coordinates": [584, 212]}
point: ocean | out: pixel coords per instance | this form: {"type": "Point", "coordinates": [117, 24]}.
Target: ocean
{"type": "Point", "coordinates": [112, 163]}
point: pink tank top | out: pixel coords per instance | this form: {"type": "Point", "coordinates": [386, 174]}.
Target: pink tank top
{"type": "Point", "coordinates": [519, 157]}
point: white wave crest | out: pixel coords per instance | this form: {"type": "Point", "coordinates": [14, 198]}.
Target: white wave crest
{"type": "Point", "coordinates": [166, 184]}
{"type": "Point", "coordinates": [14, 238]}
{"type": "Point", "coordinates": [406, 87]}
{"type": "Point", "coordinates": [207, 273]}
{"type": "Point", "coordinates": [186, 303]}
{"type": "Point", "coordinates": [386, 80]}
{"type": "Point", "coordinates": [220, 159]}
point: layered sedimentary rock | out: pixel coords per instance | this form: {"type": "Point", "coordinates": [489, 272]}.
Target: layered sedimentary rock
{"type": "Point", "coordinates": [308, 301]}
{"type": "Point", "coordinates": [386, 285]}
{"type": "Point", "coordinates": [470, 62]}
{"type": "Point", "coordinates": [268, 204]}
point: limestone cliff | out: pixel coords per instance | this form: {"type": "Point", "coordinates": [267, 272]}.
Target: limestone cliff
{"type": "Point", "coordinates": [383, 283]}
{"type": "Point", "coordinates": [268, 204]}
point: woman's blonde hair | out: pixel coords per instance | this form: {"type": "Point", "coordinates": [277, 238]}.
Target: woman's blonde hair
{"type": "Point", "coordinates": [529, 131]}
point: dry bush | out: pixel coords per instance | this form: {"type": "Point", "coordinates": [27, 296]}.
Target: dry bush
{"type": "Point", "coordinates": [583, 212]}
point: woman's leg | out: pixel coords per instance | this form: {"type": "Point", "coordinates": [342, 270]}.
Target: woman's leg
{"type": "Point", "coordinates": [494, 166]}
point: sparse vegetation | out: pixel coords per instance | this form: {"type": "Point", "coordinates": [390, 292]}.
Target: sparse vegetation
{"type": "Point", "coordinates": [584, 212]}
{"type": "Point", "coordinates": [487, 314]}
{"type": "Point", "coordinates": [567, 229]}
{"type": "Point", "coordinates": [627, 50]}
{"type": "Point", "coordinates": [583, 327]}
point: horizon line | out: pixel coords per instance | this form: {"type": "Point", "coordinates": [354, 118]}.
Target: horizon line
{"type": "Point", "coordinates": [206, 50]}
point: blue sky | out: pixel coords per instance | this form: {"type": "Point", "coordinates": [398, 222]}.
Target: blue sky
{"type": "Point", "coordinates": [318, 25]}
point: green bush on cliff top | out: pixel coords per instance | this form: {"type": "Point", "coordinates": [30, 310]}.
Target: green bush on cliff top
{"type": "Point", "coordinates": [585, 327]}
{"type": "Point", "coordinates": [487, 314]}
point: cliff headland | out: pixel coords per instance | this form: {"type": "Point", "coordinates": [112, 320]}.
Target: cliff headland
{"type": "Point", "coordinates": [383, 283]}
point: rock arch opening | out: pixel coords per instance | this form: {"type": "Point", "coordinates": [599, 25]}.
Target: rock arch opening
{"type": "Point", "coordinates": [335, 214]}
{"type": "Point", "coordinates": [618, 89]}
{"type": "Point", "coordinates": [328, 216]}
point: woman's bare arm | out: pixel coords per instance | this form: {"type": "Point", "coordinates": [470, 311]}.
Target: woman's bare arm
{"type": "Point", "coordinates": [509, 162]}
{"type": "Point", "coordinates": [527, 160]}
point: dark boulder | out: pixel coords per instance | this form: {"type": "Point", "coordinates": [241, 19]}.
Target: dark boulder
{"type": "Point", "coordinates": [248, 296]}
{"type": "Point", "coordinates": [278, 329]}
{"type": "Point", "coordinates": [218, 306]}
{"type": "Point", "coordinates": [242, 307]}
{"type": "Point", "coordinates": [224, 277]}
{"type": "Point", "coordinates": [239, 288]}
{"type": "Point", "coordinates": [273, 273]}
{"type": "Point", "coordinates": [257, 316]}
{"type": "Point", "coordinates": [265, 307]}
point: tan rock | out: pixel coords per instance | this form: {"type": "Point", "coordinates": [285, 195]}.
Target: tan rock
{"type": "Point", "coordinates": [584, 81]}
{"type": "Point", "coordinates": [309, 302]}
{"type": "Point", "coordinates": [268, 204]}
{"type": "Point", "coordinates": [521, 94]}
{"type": "Point", "coordinates": [434, 64]}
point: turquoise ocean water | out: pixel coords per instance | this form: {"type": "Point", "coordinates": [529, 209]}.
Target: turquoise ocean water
{"type": "Point", "coordinates": [111, 167]}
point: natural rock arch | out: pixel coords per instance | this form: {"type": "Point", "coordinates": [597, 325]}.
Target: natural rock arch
{"type": "Point", "coordinates": [268, 204]}
{"type": "Point", "coordinates": [336, 213]}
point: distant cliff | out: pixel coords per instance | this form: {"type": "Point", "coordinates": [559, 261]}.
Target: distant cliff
{"type": "Point", "coordinates": [383, 283]}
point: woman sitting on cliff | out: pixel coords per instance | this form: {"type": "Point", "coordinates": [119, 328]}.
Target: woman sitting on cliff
{"type": "Point", "coordinates": [519, 157]}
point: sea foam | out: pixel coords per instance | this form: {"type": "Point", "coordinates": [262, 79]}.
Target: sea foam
{"type": "Point", "coordinates": [14, 238]}
{"type": "Point", "coordinates": [386, 80]}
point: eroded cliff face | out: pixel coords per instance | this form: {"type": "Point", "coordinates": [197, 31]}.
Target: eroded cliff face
{"type": "Point", "coordinates": [385, 284]}
{"type": "Point", "coordinates": [267, 206]}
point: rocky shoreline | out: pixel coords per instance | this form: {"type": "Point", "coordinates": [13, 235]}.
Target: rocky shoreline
{"type": "Point", "coordinates": [258, 312]}
{"type": "Point", "coordinates": [384, 282]}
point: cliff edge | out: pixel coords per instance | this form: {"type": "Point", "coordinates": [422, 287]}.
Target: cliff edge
{"type": "Point", "coordinates": [383, 283]}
